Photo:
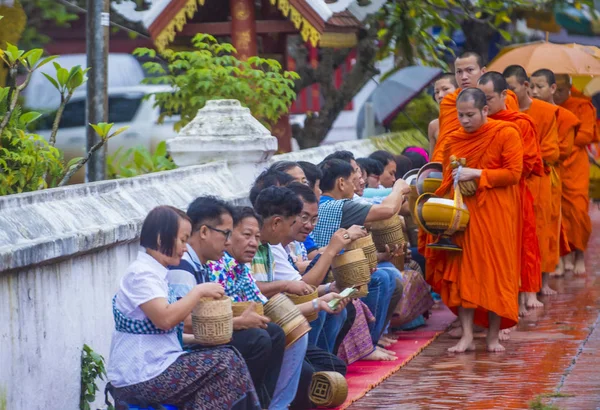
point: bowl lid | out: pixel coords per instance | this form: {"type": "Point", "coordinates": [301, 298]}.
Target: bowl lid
{"type": "Point", "coordinates": [424, 173]}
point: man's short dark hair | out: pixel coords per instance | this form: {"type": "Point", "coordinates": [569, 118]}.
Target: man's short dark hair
{"type": "Point", "coordinates": [383, 157]}
{"type": "Point", "coordinates": [304, 192]}
{"type": "Point", "coordinates": [283, 166]}
{"type": "Point", "coordinates": [371, 166]}
{"type": "Point", "coordinates": [517, 71]}
{"type": "Point", "coordinates": [477, 56]}
{"type": "Point", "coordinates": [448, 76]}
{"type": "Point", "coordinates": [268, 178]}
{"type": "Point", "coordinates": [343, 155]}
{"type": "Point", "coordinates": [547, 74]}
{"type": "Point", "coordinates": [473, 94]}
{"type": "Point", "coordinates": [497, 80]}
{"type": "Point", "coordinates": [312, 172]}
{"type": "Point", "coordinates": [278, 201]}
{"type": "Point", "coordinates": [208, 210]}
{"type": "Point", "coordinates": [242, 212]}
{"type": "Point", "coordinates": [333, 169]}
{"type": "Point", "coordinates": [162, 222]}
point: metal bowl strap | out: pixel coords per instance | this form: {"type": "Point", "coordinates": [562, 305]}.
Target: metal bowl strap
{"type": "Point", "coordinates": [458, 204]}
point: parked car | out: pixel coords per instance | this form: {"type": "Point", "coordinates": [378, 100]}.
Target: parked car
{"type": "Point", "coordinates": [126, 107]}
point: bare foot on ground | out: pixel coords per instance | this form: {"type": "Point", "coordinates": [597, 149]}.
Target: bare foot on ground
{"type": "Point", "coordinates": [532, 302]}
{"type": "Point", "coordinates": [504, 335]}
{"type": "Point", "coordinates": [379, 356]}
{"type": "Point", "coordinates": [548, 291]}
{"type": "Point", "coordinates": [464, 344]}
{"type": "Point", "coordinates": [384, 342]}
{"type": "Point", "coordinates": [381, 349]}
{"type": "Point", "coordinates": [495, 346]}
{"type": "Point", "coordinates": [579, 268]}
{"type": "Point", "coordinates": [523, 310]}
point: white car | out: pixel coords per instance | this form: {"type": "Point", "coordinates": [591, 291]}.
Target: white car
{"type": "Point", "coordinates": [126, 107]}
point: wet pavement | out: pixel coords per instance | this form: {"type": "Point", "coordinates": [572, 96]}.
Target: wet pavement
{"type": "Point", "coordinates": [552, 358]}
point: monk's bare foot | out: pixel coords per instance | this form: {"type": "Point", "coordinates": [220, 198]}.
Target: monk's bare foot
{"type": "Point", "coordinates": [456, 323]}
{"type": "Point", "coordinates": [455, 333]}
{"type": "Point", "coordinates": [384, 342]}
{"type": "Point", "coordinates": [504, 335]}
{"type": "Point", "coordinates": [381, 349]}
{"type": "Point", "coordinates": [569, 261]}
{"type": "Point", "coordinates": [379, 356]}
{"type": "Point", "coordinates": [464, 344]}
{"type": "Point", "coordinates": [560, 269]}
{"type": "Point", "coordinates": [532, 302]}
{"type": "Point", "coordinates": [548, 291]}
{"type": "Point", "coordinates": [579, 268]}
{"type": "Point", "coordinates": [495, 346]}
{"type": "Point", "coordinates": [523, 310]}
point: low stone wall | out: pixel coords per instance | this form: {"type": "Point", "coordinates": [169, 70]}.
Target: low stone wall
{"type": "Point", "coordinates": [62, 252]}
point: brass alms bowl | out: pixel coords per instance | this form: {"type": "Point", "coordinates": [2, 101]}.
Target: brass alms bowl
{"type": "Point", "coordinates": [429, 177]}
{"type": "Point", "coordinates": [441, 218]}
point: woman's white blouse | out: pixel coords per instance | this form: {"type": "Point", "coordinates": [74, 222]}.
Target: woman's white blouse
{"type": "Point", "coordinates": [138, 358]}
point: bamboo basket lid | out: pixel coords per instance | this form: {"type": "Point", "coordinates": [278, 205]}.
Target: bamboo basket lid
{"type": "Point", "coordinates": [386, 223]}
{"type": "Point", "coordinates": [355, 255]}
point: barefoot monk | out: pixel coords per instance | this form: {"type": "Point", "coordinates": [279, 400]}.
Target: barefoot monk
{"type": "Point", "coordinates": [482, 282]}
{"type": "Point", "coordinates": [494, 86]}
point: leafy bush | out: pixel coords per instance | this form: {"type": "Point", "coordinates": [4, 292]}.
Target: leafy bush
{"type": "Point", "coordinates": [92, 367]}
{"type": "Point", "coordinates": [212, 72]}
{"type": "Point", "coordinates": [421, 111]}
{"type": "Point", "coordinates": [139, 161]}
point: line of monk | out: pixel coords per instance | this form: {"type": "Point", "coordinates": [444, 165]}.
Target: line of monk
{"type": "Point", "coordinates": [524, 141]}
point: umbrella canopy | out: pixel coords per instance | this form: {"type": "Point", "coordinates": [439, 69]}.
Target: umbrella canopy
{"type": "Point", "coordinates": [390, 97]}
{"type": "Point", "coordinates": [560, 58]}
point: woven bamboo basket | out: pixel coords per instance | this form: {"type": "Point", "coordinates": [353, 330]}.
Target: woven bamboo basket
{"type": "Point", "coordinates": [282, 311]}
{"type": "Point", "coordinates": [212, 321]}
{"type": "Point", "coordinates": [300, 299]}
{"type": "Point", "coordinates": [328, 389]}
{"type": "Point", "coordinates": [351, 269]}
{"type": "Point", "coordinates": [398, 261]}
{"type": "Point", "coordinates": [368, 246]}
{"type": "Point", "coordinates": [387, 232]}
{"type": "Point", "coordinates": [412, 200]}
{"type": "Point", "coordinates": [240, 307]}
{"type": "Point", "coordinates": [361, 292]}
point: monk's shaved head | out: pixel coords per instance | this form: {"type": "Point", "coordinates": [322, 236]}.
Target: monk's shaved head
{"type": "Point", "coordinates": [547, 74]}
{"type": "Point", "coordinates": [563, 78]}
{"type": "Point", "coordinates": [516, 71]}
{"type": "Point", "coordinates": [469, 54]}
{"type": "Point", "coordinates": [450, 77]}
{"type": "Point", "coordinates": [563, 88]}
{"type": "Point", "coordinates": [474, 95]}
{"type": "Point", "coordinates": [497, 80]}
{"type": "Point", "coordinates": [444, 85]}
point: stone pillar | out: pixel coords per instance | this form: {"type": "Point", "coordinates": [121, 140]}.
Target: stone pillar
{"type": "Point", "coordinates": [224, 131]}
{"type": "Point", "coordinates": [243, 28]}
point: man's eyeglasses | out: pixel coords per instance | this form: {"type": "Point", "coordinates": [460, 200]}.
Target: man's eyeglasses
{"type": "Point", "coordinates": [226, 233]}
{"type": "Point", "coordinates": [306, 219]}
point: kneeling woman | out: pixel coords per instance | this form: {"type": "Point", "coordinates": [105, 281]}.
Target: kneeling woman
{"type": "Point", "coordinates": [147, 364]}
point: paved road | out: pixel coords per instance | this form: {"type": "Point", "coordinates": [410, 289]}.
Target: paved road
{"type": "Point", "coordinates": [553, 357]}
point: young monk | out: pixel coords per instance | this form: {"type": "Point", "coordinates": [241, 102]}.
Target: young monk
{"type": "Point", "coordinates": [482, 282]}
{"type": "Point", "coordinates": [544, 116]}
{"type": "Point", "coordinates": [444, 85]}
{"type": "Point", "coordinates": [543, 86]}
{"type": "Point", "coordinates": [468, 67]}
{"type": "Point", "coordinates": [575, 171]}
{"type": "Point", "coordinates": [494, 86]}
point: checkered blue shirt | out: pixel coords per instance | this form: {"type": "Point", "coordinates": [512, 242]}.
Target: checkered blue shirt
{"type": "Point", "coordinates": [330, 219]}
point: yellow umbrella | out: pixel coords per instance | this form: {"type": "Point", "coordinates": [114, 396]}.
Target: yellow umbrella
{"type": "Point", "coordinates": [560, 58]}
{"type": "Point", "coordinates": [592, 87]}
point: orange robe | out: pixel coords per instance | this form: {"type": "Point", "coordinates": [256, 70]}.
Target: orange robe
{"type": "Point", "coordinates": [568, 125]}
{"type": "Point", "coordinates": [575, 171]}
{"type": "Point", "coordinates": [530, 267]}
{"type": "Point", "coordinates": [544, 117]}
{"type": "Point", "coordinates": [485, 275]}
{"type": "Point", "coordinates": [448, 118]}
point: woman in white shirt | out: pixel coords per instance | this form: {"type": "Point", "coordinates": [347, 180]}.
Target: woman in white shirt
{"type": "Point", "coordinates": [147, 363]}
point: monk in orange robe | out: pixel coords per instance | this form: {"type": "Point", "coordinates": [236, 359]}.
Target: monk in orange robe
{"type": "Point", "coordinates": [494, 86]}
{"type": "Point", "coordinates": [543, 87]}
{"type": "Point", "coordinates": [467, 69]}
{"type": "Point", "coordinates": [544, 116]}
{"type": "Point", "coordinates": [575, 171]}
{"type": "Point", "coordinates": [481, 283]}
{"type": "Point", "coordinates": [444, 85]}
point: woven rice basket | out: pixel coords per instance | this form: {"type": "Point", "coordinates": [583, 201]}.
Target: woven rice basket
{"type": "Point", "coordinates": [240, 307]}
{"type": "Point", "coordinates": [398, 262]}
{"type": "Point", "coordinates": [351, 269]}
{"type": "Point", "coordinates": [282, 311]}
{"type": "Point", "coordinates": [412, 200]}
{"type": "Point", "coordinates": [361, 292]}
{"type": "Point", "coordinates": [328, 389]}
{"type": "Point", "coordinates": [368, 246]}
{"type": "Point", "coordinates": [387, 232]}
{"type": "Point", "coordinates": [212, 321]}
{"type": "Point", "coordinates": [300, 299]}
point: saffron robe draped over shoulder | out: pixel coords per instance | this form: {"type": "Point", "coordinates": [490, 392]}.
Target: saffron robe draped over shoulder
{"type": "Point", "coordinates": [575, 171]}
{"type": "Point", "coordinates": [567, 124]}
{"type": "Point", "coordinates": [485, 275]}
{"type": "Point", "coordinates": [531, 265]}
{"type": "Point", "coordinates": [544, 116]}
{"type": "Point", "coordinates": [448, 119]}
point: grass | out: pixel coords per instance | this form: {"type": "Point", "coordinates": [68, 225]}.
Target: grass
{"type": "Point", "coordinates": [538, 402]}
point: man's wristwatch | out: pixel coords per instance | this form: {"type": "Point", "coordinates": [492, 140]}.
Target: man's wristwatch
{"type": "Point", "coordinates": [315, 304]}
{"type": "Point", "coordinates": [328, 288]}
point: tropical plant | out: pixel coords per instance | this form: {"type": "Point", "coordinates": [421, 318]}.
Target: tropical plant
{"type": "Point", "coordinates": [211, 72]}
{"type": "Point", "coordinates": [92, 368]}
{"type": "Point", "coordinates": [139, 161]}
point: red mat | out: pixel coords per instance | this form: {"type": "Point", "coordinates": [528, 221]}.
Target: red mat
{"type": "Point", "coordinates": [364, 376]}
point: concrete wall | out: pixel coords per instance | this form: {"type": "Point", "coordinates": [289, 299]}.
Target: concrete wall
{"type": "Point", "coordinates": [62, 252]}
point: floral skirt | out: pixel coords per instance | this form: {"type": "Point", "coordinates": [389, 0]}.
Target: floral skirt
{"type": "Point", "coordinates": [205, 379]}
{"type": "Point", "coordinates": [416, 299]}
{"type": "Point", "coordinates": [358, 343]}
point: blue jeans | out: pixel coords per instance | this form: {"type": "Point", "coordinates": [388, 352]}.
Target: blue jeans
{"type": "Point", "coordinates": [325, 330]}
{"type": "Point", "coordinates": [289, 375]}
{"type": "Point", "coordinates": [381, 287]}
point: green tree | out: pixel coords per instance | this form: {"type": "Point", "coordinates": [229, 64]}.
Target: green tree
{"type": "Point", "coordinates": [212, 72]}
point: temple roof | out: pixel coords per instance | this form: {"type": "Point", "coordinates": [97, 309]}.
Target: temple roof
{"type": "Point", "coordinates": [323, 23]}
